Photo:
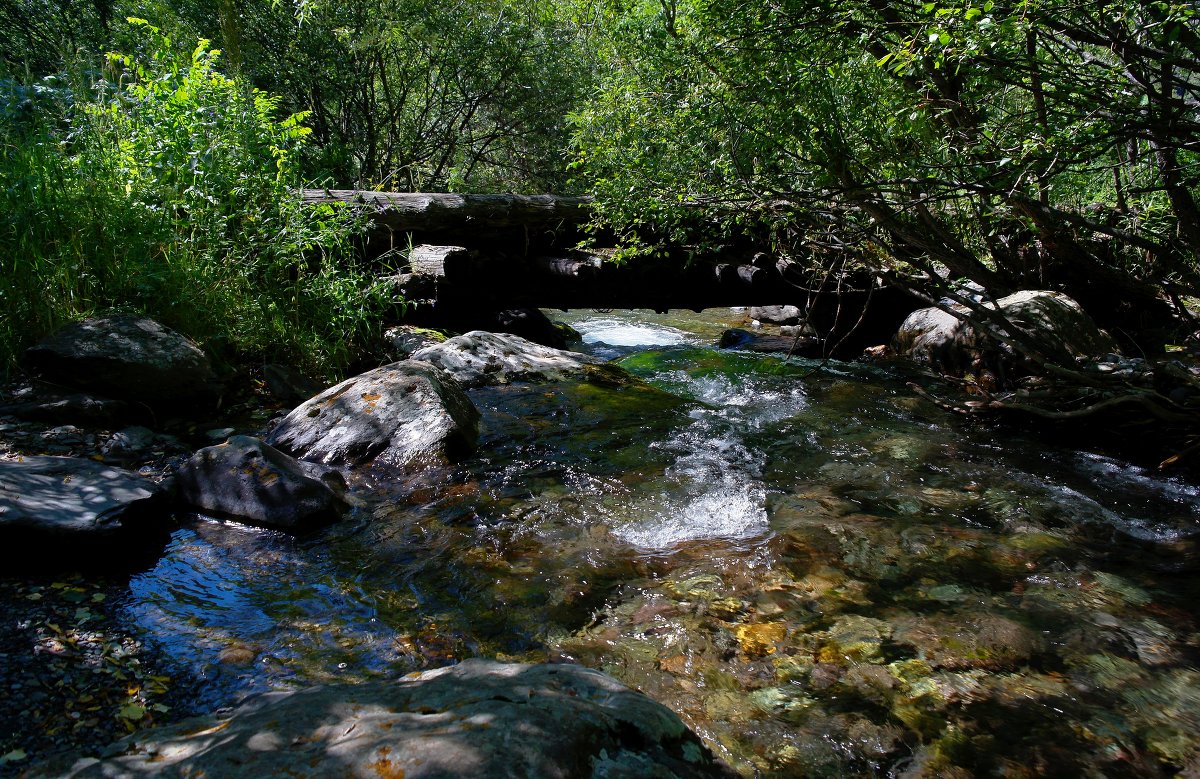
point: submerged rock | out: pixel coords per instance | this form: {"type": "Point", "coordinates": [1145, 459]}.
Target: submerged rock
{"type": "Point", "coordinates": [72, 501]}
{"type": "Point", "coordinates": [947, 343]}
{"type": "Point", "coordinates": [479, 358]}
{"type": "Point", "coordinates": [247, 479]}
{"type": "Point", "coordinates": [128, 358]}
{"type": "Point", "coordinates": [964, 640]}
{"type": "Point", "coordinates": [479, 718]}
{"type": "Point", "coordinates": [401, 414]}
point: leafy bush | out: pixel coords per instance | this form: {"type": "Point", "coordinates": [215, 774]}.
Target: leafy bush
{"type": "Point", "coordinates": [171, 189]}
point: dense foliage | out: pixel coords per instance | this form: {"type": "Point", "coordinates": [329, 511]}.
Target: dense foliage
{"type": "Point", "coordinates": [163, 186]}
{"type": "Point", "coordinates": [1027, 144]}
{"type": "Point", "coordinates": [1021, 144]}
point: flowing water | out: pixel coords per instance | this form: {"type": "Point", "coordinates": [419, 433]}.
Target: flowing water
{"type": "Point", "coordinates": [823, 574]}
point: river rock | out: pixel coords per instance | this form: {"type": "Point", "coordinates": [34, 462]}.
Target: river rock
{"type": "Point", "coordinates": [74, 501]}
{"type": "Point", "coordinates": [131, 442]}
{"type": "Point", "coordinates": [532, 325]}
{"type": "Point", "coordinates": [480, 358]}
{"type": "Point", "coordinates": [400, 414]}
{"type": "Point", "coordinates": [777, 315]}
{"type": "Point", "coordinates": [40, 404]}
{"type": "Point", "coordinates": [402, 340]}
{"type": "Point", "coordinates": [797, 346]}
{"type": "Point", "coordinates": [246, 479]}
{"type": "Point", "coordinates": [945, 342]}
{"type": "Point", "coordinates": [126, 357]}
{"type": "Point", "coordinates": [476, 719]}
{"type": "Point", "coordinates": [964, 639]}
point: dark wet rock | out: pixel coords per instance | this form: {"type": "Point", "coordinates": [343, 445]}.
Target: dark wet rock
{"type": "Point", "coordinates": [75, 502]}
{"type": "Point", "coordinates": [777, 315]}
{"type": "Point", "coordinates": [137, 442]}
{"type": "Point", "coordinates": [246, 479]}
{"type": "Point", "coordinates": [532, 325]}
{"type": "Point", "coordinates": [400, 414]}
{"type": "Point", "coordinates": [289, 384]}
{"type": "Point", "coordinates": [41, 404]}
{"type": "Point", "coordinates": [402, 340]}
{"type": "Point", "coordinates": [479, 718]}
{"type": "Point", "coordinates": [945, 342]}
{"type": "Point", "coordinates": [479, 358]}
{"type": "Point", "coordinates": [129, 442]}
{"type": "Point", "coordinates": [797, 346]}
{"type": "Point", "coordinates": [128, 358]}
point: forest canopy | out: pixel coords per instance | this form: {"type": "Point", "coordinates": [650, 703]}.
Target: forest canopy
{"type": "Point", "coordinates": [1016, 145]}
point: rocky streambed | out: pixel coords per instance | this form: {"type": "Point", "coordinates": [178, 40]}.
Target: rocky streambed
{"type": "Point", "coordinates": [817, 570]}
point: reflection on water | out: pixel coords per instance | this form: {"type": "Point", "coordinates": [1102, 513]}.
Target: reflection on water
{"type": "Point", "coordinates": [823, 574]}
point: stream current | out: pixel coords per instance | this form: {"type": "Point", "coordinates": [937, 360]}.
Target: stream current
{"type": "Point", "coordinates": [823, 574]}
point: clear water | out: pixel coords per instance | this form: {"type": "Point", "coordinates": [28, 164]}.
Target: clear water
{"type": "Point", "coordinates": [821, 573]}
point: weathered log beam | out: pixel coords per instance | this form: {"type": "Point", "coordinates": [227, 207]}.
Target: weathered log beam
{"type": "Point", "coordinates": [441, 212]}
{"type": "Point", "coordinates": [439, 261]}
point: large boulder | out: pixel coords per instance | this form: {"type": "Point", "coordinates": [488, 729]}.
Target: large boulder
{"type": "Point", "coordinates": [128, 358]}
{"type": "Point", "coordinates": [479, 358]}
{"type": "Point", "coordinates": [950, 344]}
{"type": "Point", "coordinates": [476, 719]}
{"type": "Point", "coordinates": [406, 413]}
{"type": "Point", "coordinates": [246, 479]}
{"type": "Point", "coordinates": [53, 501]}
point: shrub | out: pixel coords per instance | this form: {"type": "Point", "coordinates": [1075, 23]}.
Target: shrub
{"type": "Point", "coordinates": [172, 190]}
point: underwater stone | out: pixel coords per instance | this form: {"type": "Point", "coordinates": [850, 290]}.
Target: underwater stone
{"type": "Point", "coordinates": [963, 640]}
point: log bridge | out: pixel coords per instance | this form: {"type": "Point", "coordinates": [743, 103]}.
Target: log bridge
{"type": "Point", "coordinates": [514, 251]}
{"type": "Point", "coordinates": [451, 254]}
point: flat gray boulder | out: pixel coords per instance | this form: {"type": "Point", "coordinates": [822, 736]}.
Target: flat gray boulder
{"type": "Point", "coordinates": [406, 413]}
{"type": "Point", "coordinates": [73, 500]}
{"type": "Point", "coordinates": [246, 479]}
{"type": "Point", "coordinates": [476, 719]}
{"type": "Point", "coordinates": [128, 358]}
{"type": "Point", "coordinates": [480, 358]}
{"type": "Point", "coordinates": [943, 341]}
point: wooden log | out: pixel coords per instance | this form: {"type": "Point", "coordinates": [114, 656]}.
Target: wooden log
{"type": "Point", "coordinates": [439, 261]}
{"type": "Point", "coordinates": [435, 211]}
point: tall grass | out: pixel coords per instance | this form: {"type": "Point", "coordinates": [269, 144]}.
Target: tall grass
{"type": "Point", "coordinates": [167, 188]}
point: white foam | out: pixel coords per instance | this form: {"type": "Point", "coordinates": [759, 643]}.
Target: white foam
{"type": "Point", "coordinates": [614, 332]}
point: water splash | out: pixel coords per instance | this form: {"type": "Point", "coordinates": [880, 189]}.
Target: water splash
{"type": "Point", "coordinates": [716, 483]}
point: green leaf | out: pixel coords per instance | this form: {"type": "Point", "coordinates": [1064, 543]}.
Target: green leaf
{"type": "Point", "coordinates": [132, 712]}
{"type": "Point", "coordinates": [13, 756]}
